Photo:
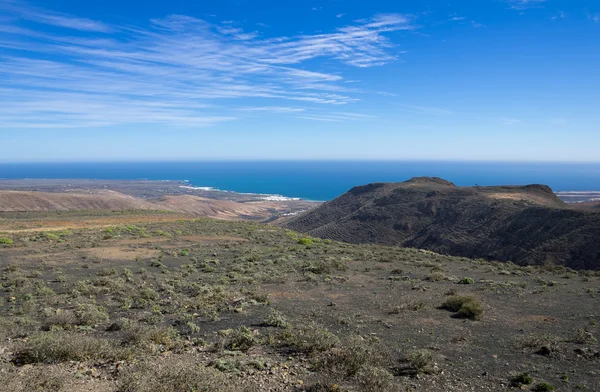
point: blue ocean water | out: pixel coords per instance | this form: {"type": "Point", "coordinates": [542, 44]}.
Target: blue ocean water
{"type": "Point", "coordinates": [317, 180]}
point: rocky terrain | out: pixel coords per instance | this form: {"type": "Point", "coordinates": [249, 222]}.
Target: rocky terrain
{"type": "Point", "coordinates": [528, 225]}
{"type": "Point", "coordinates": [136, 301]}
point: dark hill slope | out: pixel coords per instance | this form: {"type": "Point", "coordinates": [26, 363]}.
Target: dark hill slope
{"type": "Point", "coordinates": [524, 224]}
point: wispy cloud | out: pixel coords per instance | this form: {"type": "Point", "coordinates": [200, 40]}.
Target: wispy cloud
{"type": "Point", "coordinates": [510, 121]}
{"type": "Point", "coordinates": [561, 15]}
{"type": "Point", "coordinates": [524, 4]}
{"type": "Point", "coordinates": [594, 17]}
{"type": "Point", "coordinates": [425, 110]}
{"type": "Point", "coordinates": [272, 109]}
{"type": "Point", "coordinates": [177, 70]}
{"type": "Point", "coordinates": [53, 18]}
{"type": "Point", "coordinates": [338, 117]}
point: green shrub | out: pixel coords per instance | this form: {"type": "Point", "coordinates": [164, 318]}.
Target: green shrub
{"type": "Point", "coordinates": [465, 306]}
{"type": "Point", "coordinates": [309, 339]}
{"type": "Point", "coordinates": [6, 241]}
{"type": "Point", "coordinates": [275, 319]}
{"type": "Point", "coordinates": [305, 241]}
{"type": "Point", "coordinates": [421, 361]}
{"type": "Point", "coordinates": [89, 314]}
{"type": "Point", "coordinates": [241, 339]}
{"type": "Point", "coordinates": [376, 379]}
{"type": "Point", "coordinates": [352, 355]}
{"type": "Point", "coordinates": [184, 252]}
{"type": "Point", "coordinates": [466, 281]}
{"type": "Point", "coordinates": [167, 338]}
{"type": "Point", "coordinates": [522, 379]}
{"type": "Point", "coordinates": [437, 276]}
{"type": "Point", "coordinates": [543, 387]}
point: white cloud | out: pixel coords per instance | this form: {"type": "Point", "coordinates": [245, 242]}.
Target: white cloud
{"type": "Point", "coordinates": [177, 70]}
{"type": "Point", "coordinates": [524, 4]}
{"type": "Point", "coordinates": [53, 18]}
{"type": "Point", "coordinates": [594, 17]}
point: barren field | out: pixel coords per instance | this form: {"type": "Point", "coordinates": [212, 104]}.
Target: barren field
{"type": "Point", "coordinates": [134, 302]}
{"type": "Point", "coordinates": [88, 195]}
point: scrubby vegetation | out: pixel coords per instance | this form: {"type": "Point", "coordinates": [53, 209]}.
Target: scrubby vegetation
{"type": "Point", "coordinates": [465, 306]}
{"type": "Point", "coordinates": [220, 306]}
{"type": "Point", "coordinates": [6, 241]}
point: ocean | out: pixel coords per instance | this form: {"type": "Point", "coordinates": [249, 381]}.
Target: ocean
{"type": "Point", "coordinates": [314, 180]}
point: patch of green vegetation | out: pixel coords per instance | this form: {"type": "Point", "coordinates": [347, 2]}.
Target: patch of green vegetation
{"type": "Point", "coordinates": [305, 241]}
{"type": "Point", "coordinates": [60, 346]}
{"type": "Point", "coordinates": [466, 280]}
{"type": "Point", "coordinates": [421, 361]}
{"type": "Point", "coordinates": [543, 387]}
{"type": "Point", "coordinates": [242, 339]}
{"type": "Point", "coordinates": [464, 306]}
{"type": "Point", "coordinates": [522, 379]}
{"type": "Point", "coordinates": [275, 319]}
{"type": "Point", "coordinates": [176, 375]}
{"type": "Point", "coordinates": [6, 241]}
{"type": "Point", "coordinates": [184, 252]}
{"type": "Point", "coordinates": [310, 338]}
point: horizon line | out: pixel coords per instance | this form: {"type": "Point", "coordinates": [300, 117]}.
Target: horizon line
{"type": "Point", "coordinates": [299, 160]}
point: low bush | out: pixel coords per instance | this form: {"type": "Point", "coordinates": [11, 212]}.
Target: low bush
{"type": "Point", "coordinates": [305, 241]}
{"type": "Point", "coordinates": [376, 379]}
{"type": "Point", "coordinates": [241, 339]}
{"type": "Point", "coordinates": [6, 241]}
{"type": "Point", "coordinates": [543, 387]}
{"type": "Point", "coordinates": [421, 361]}
{"type": "Point", "coordinates": [352, 355]}
{"type": "Point", "coordinates": [464, 306]}
{"type": "Point", "coordinates": [308, 339]}
{"type": "Point", "coordinates": [175, 375]}
{"type": "Point", "coordinates": [275, 319]}
{"type": "Point", "coordinates": [60, 346]}
{"type": "Point", "coordinates": [522, 379]}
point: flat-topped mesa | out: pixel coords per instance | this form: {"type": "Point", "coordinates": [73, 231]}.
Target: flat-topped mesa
{"type": "Point", "coordinates": [429, 180]}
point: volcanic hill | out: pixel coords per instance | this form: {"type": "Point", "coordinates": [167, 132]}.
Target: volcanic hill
{"type": "Point", "coordinates": [522, 224]}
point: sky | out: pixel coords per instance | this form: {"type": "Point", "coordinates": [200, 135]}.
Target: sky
{"type": "Point", "coordinates": [498, 80]}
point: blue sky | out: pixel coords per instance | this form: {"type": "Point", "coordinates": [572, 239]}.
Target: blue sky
{"type": "Point", "coordinates": [504, 80]}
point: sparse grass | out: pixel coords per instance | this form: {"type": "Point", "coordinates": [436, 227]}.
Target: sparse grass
{"type": "Point", "coordinates": [163, 322]}
{"type": "Point", "coordinates": [183, 374]}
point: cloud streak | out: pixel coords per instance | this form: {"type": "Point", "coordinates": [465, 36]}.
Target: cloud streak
{"type": "Point", "coordinates": [521, 5]}
{"type": "Point", "coordinates": [177, 70]}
